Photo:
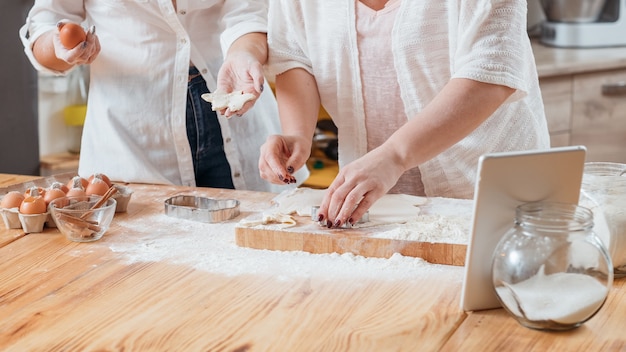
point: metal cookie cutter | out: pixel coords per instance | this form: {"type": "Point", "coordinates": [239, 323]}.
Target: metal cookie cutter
{"type": "Point", "coordinates": [347, 225]}
{"type": "Point", "coordinates": [201, 209]}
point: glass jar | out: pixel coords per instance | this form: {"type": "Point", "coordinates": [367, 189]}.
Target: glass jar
{"type": "Point", "coordinates": [550, 270]}
{"type": "Point", "coordinates": [604, 192]}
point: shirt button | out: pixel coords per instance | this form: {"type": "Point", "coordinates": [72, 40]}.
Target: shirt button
{"type": "Point", "coordinates": [236, 174]}
{"type": "Point", "coordinates": [204, 70]}
{"type": "Point", "coordinates": [184, 41]}
{"type": "Point", "coordinates": [228, 140]}
{"type": "Point", "coordinates": [183, 12]}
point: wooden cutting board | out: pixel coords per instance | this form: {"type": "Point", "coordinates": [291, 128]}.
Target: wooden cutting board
{"type": "Point", "coordinates": [310, 237]}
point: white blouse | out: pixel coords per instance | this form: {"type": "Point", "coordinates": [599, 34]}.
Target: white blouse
{"type": "Point", "coordinates": [135, 129]}
{"type": "Point", "coordinates": [432, 42]}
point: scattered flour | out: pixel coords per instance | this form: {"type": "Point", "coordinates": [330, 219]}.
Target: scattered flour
{"type": "Point", "coordinates": [212, 248]}
{"type": "Point", "coordinates": [442, 220]}
{"type": "Point", "coordinates": [431, 228]}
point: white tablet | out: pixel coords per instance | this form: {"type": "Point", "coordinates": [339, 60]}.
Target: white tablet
{"type": "Point", "coordinates": [504, 181]}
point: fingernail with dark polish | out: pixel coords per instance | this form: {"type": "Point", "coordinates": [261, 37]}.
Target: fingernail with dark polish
{"type": "Point", "coordinates": [329, 224]}
{"type": "Point", "coordinates": [351, 221]}
{"type": "Point", "coordinates": [261, 88]}
{"type": "Point", "coordinates": [290, 169]}
{"type": "Point", "coordinates": [320, 217]}
{"type": "Point", "coordinates": [338, 223]}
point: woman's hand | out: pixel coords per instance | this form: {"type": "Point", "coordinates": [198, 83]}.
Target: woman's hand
{"type": "Point", "coordinates": [358, 186]}
{"type": "Point", "coordinates": [240, 72]}
{"type": "Point", "coordinates": [242, 69]}
{"type": "Point", "coordinates": [281, 156]}
{"type": "Point", "coordinates": [50, 53]}
{"type": "Point", "coordinates": [84, 53]}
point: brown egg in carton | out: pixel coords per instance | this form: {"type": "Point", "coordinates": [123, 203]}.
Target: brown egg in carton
{"type": "Point", "coordinates": [30, 223]}
{"type": "Point", "coordinates": [26, 210]}
{"type": "Point", "coordinates": [13, 219]}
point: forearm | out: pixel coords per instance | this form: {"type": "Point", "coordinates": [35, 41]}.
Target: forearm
{"type": "Point", "coordinates": [298, 102]}
{"type": "Point", "coordinates": [461, 107]}
{"type": "Point", "coordinates": [254, 44]}
{"type": "Point", "coordinates": [43, 50]}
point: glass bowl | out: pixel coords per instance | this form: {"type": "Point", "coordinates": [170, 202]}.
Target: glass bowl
{"type": "Point", "coordinates": [76, 219]}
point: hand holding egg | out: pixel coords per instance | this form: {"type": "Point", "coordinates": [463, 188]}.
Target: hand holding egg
{"type": "Point", "coordinates": [74, 45]}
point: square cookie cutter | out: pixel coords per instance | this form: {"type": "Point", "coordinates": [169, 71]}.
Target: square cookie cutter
{"type": "Point", "coordinates": [201, 209]}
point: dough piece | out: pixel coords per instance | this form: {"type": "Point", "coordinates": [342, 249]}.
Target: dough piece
{"type": "Point", "coordinates": [395, 209]}
{"type": "Point", "coordinates": [298, 201]}
{"type": "Point", "coordinates": [233, 101]}
{"type": "Point", "coordinates": [390, 208]}
{"type": "Point", "coordinates": [270, 218]}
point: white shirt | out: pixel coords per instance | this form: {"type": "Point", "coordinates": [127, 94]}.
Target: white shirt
{"type": "Point", "coordinates": [135, 125]}
{"type": "Point", "coordinates": [432, 42]}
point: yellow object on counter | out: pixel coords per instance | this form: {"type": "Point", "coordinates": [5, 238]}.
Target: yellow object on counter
{"type": "Point", "coordinates": [74, 115]}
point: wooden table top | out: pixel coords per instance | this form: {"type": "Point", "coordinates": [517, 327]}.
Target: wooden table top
{"type": "Point", "coordinates": [155, 283]}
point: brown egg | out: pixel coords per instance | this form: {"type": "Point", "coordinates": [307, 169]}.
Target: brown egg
{"type": "Point", "coordinates": [34, 191]}
{"type": "Point", "coordinates": [60, 186]}
{"type": "Point", "coordinates": [75, 181]}
{"type": "Point", "coordinates": [71, 34]}
{"type": "Point", "coordinates": [103, 177]}
{"type": "Point", "coordinates": [12, 199]}
{"type": "Point", "coordinates": [52, 194]}
{"type": "Point", "coordinates": [97, 186]}
{"type": "Point", "coordinates": [33, 205]}
{"type": "Point", "coordinates": [76, 192]}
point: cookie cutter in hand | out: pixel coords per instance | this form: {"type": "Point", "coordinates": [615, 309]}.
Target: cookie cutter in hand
{"type": "Point", "coordinates": [201, 209]}
{"type": "Point", "coordinates": [314, 209]}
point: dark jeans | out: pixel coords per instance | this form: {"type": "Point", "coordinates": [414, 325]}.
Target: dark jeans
{"type": "Point", "coordinates": [205, 137]}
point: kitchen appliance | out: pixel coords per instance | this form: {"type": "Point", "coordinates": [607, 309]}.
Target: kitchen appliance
{"type": "Point", "coordinates": [584, 23]}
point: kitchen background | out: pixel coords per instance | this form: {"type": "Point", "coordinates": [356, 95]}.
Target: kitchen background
{"type": "Point", "coordinates": [35, 138]}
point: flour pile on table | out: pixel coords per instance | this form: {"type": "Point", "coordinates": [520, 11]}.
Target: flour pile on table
{"type": "Point", "coordinates": [442, 220]}
{"type": "Point", "coordinates": [212, 248]}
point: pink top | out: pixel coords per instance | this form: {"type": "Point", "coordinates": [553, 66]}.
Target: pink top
{"type": "Point", "coordinates": [380, 84]}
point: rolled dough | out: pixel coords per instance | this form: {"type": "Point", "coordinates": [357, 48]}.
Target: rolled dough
{"type": "Point", "coordinates": [390, 208]}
